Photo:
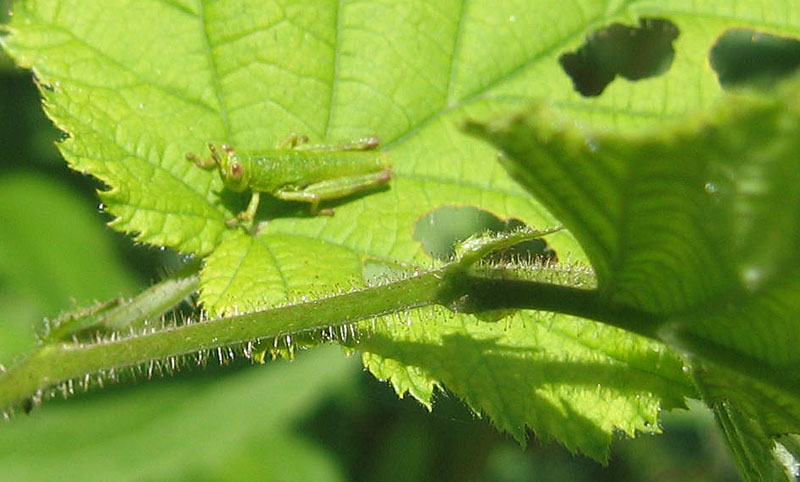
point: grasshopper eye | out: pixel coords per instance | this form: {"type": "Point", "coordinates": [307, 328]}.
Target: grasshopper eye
{"type": "Point", "coordinates": [236, 171]}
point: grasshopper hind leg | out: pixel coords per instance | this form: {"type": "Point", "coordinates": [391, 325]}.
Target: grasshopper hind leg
{"type": "Point", "coordinates": [362, 144]}
{"type": "Point", "coordinates": [296, 141]}
{"type": "Point", "coordinates": [334, 189]}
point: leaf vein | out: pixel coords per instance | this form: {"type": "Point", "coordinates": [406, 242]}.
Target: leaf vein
{"type": "Point", "coordinates": [215, 76]}
{"type": "Point", "coordinates": [453, 71]}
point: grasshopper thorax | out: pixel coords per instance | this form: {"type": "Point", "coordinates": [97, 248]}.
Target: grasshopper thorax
{"type": "Point", "coordinates": [232, 170]}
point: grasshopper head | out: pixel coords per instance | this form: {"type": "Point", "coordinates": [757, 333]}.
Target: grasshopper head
{"type": "Point", "coordinates": [233, 172]}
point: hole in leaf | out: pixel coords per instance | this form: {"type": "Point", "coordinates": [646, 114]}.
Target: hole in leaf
{"type": "Point", "coordinates": [744, 56]}
{"type": "Point", "coordinates": [631, 52]}
{"type": "Point", "coordinates": [442, 229]}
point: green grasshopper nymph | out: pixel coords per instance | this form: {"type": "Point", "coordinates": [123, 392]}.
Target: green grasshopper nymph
{"type": "Point", "coordinates": [296, 171]}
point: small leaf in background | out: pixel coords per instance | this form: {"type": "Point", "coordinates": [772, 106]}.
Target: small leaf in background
{"type": "Point", "coordinates": [54, 255]}
{"type": "Point", "coordinates": [441, 230]}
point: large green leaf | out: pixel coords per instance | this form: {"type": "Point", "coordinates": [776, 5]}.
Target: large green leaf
{"type": "Point", "coordinates": [698, 225]}
{"type": "Point", "coordinates": [566, 379]}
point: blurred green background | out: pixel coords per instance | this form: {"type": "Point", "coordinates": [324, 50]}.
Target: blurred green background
{"type": "Point", "coordinates": [318, 418]}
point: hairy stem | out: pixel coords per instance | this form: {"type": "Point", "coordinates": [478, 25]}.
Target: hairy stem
{"type": "Point", "coordinates": [453, 287]}
{"type": "Point", "coordinates": [475, 294]}
{"type": "Point", "coordinates": [57, 362]}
